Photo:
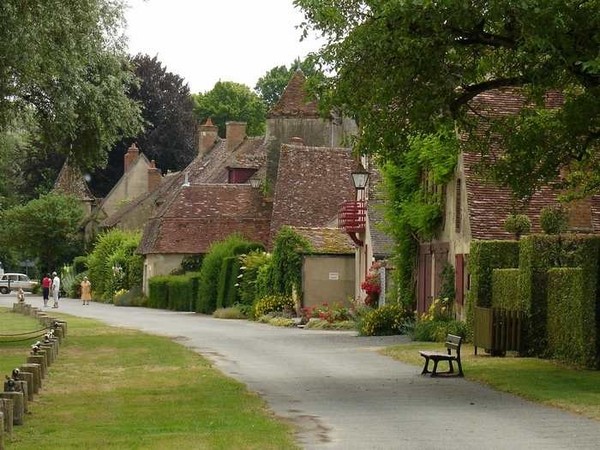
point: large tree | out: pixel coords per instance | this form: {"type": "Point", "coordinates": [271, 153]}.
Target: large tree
{"type": "Point", "coordinates": [64, 62]}
{"type": "Point", "coordinates": [411, 68]}
{"type": "Point", "coordinates": [169, 135]}
{"type": "Point", "coordinates": [229, 101]}
{"type": "Point", "coordinates": [47, 230]}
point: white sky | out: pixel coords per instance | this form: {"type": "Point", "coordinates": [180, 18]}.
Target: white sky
{"type": "Point", "coordinates": [204, 41]}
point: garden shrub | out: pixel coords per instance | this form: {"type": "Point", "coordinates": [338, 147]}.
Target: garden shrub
{"type": "Point", "coordinates": [250, 264]}
{"type": "Point", "coordinates": [231, 312]}
{"type": "Point", "coordinates": [517, 224]}
{"type": "Point", "coordinates": [329, 313]}
{"type": "Point", "coordinates": [158, 292]}
{"type": "Point", "coordinates": [572, 317]}
{"type": "Point", "coordinates": [383, 321]}
{"type": "Point", "coordinates": [436, 330]}
{"type": "Point", "coordinates": [180, 293]}
{"type": "Point", "coordinates": [505, 292]}
{"type": "Point", "coordinates": [132, 297]}
{"type": "Point", "coordinates": [554, 219]}
{"type": "Point", "coordinates": [288, 250]}
{"type": "Point", "coordinates": [79, 264]}
{"type": "Point", "coordinates": [273, 303]}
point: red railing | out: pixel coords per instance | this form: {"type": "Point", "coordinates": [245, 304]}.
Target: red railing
{"type": "Point", "coordinates": [352, 217]}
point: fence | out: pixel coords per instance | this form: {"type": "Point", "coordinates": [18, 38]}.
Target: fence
{"type": "Point", "coordinates": [497, 330]}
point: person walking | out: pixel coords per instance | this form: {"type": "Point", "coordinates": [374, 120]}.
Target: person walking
{"type": "Point", "coordinates": [86, 291]}
{"type": "Point", "coordinates": [55, 289]}
{"type": "Point", "coordinates": [46, 283]}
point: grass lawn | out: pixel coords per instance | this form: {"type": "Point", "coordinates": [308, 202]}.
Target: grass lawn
{"type": "Point", "coordinates": [123, 389]}
{"type": "Point", "coordinates": [539, 380]}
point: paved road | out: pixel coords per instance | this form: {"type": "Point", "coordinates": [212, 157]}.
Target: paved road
{"type": "Point", "coordinates": [341, 394]}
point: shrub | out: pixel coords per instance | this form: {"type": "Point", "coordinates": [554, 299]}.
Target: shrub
{"type": "Point", "coordinates": [132, 297]}
{"type": "Point", "coordinates": [331, 314]}
{"type": "Point", "coordinates": [436, 330]}
{"type": "Point", "coordinates": [372, 285]}
{"type": "Point", "coordinates": [383, 321]}
{"type": "Point", "coordinates": [287, 261]}
{"type": "Point", "coordinates": [232, 312]}
{"type": "Point", "coordinates": [517, 224]}
{"type": "Point", "coordinates": [251, 263]}
{"type": "Point", "coordinates": [273, 303]}
{"type": "Point", "coordinates": [554, 220]}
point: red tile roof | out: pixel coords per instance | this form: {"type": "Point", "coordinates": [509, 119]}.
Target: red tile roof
{"type": "Point", "coordinates": [312, 182]}
{"type": "Point", "coordinates": [70, 181]}
{"type": "Point", "coordinates": [327, 241]}
{"type": "Point", "coordinates": [294, 101]}
{"type": "Point", "coordinates": [198, 215]}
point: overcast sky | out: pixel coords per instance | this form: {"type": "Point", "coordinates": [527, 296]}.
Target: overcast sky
{"type": "Point", "coordinates": [204, 41]}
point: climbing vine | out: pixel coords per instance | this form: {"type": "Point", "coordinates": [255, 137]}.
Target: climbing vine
{"type": "Point", "coordinates": [413, 184]}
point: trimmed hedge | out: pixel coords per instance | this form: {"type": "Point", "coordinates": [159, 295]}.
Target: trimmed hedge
{"type": "Point", "coordinates": [180, 293]}
{"type": "Point", "coordinates": [158, 292]}
{"type": "Point", "coordinates": [538, 254]}
{"type": "Point", "coordinates": [572, 317]}
{"type": "Point", "coordinates": [504, 294]}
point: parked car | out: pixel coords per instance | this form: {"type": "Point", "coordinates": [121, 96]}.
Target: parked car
{"type": "Point", "coordinates": [13, 281]}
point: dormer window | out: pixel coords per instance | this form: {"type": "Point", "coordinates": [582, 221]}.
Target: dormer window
{"type": "Point", "coordinates": [239, 175]}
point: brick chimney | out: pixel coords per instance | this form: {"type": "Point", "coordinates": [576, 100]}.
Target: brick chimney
{"type": "Point", "coordinates": [207, 136]}
{"type": "Point", "coordinates": [580, 214]}
{"type": "Point", "coordinates": [132, 154]}
{"type": "Point", "coordinates": [154, 176]}
{"type": "Point", "coordinates": [235, 133]}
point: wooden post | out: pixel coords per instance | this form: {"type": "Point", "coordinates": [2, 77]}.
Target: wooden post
{"type": "Point", "coordinates": [6, 405]}
{"type": "Point", "coordinates": [17, 403]}
{"type": "Point", "coordinates": [41, 360]}
{"type": "Point", "coordinates": [36, 371]}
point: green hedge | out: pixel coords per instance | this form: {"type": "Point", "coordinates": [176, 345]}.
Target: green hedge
{"type": "Point", "coordinates": [158, 292]}
{"type": "Point", "coordinates": [484, 257]}
{"type": "Point", "coordinates": [538, 254]}
{"type": "Point", "coordinates": [504, 294]}
{"type": "Point", "coordinates": [572, 317]}
{"type": "Point", "coordinates": [180, 293]}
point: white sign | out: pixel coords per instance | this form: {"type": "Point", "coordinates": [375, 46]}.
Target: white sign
{"type": "Point", "coordinates": [334, 276]}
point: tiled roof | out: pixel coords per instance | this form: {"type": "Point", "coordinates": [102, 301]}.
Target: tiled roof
{"type": "Point", "coordinates": [70, 181]}
{"type": "Point", "coordinates": [489, 203]}
{"type": "Point", "coordinates": [312, 182]}
{"type": "Point", "coordinates": [198, 215]}
{"type": "Point", "coordinates": [326, 241]}
{"type": "Point", "coordinates": [294, 102]}
{"type": "Point", "coordinates": [382, 243]}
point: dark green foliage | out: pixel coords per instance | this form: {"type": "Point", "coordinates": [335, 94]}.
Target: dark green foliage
{"type": "Point", "coordinates": [251, 262]}
{"type": "Point", "coordinates": [447, 289]}
{"type": "Point", "coordinates": [554, 220]}
{"type": "Point", "coordinates": [437, 330]}
{"type": "Point", "coordinates": [180, 293]}
{"type": "Point", "coordinates": [133, 297]}
{"type": "Point", "coordinates": [80, 264]}
{"type": "Point", "coordinates": [288, 251]}
{"type": "Point", "coordinates": [505, 293]}
{"type": "Point", "coordinates": [572, 325]}
{"type": "Point", "coordinates": [517, 224]}
{"type": "Point", "coordinates": [226, 282]}
{"type": "Point", "coordinates": [210, 273]}
{"type": "Point", "coordinates": [158, 295]}
{"type": "Point", "coordinates": [383, 321]}
{"type": "Point", "coordinates": [538, 254]}
{"type": "Point", "coordinates": [191, 263]}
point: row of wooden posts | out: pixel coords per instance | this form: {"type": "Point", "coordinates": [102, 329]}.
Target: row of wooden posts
{"type": "Point", "coordinates": [26, 380]}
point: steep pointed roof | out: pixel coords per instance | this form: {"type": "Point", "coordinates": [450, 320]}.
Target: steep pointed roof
{"type": "Point", "coordinates": [70, 181]}
{"type": "Point", "coordinates": [294, 101]}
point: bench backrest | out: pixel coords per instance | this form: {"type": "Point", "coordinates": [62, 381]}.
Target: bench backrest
{"type": "Point", "coordinates": [453, 343]}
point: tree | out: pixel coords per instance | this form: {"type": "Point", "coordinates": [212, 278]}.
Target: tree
{"type": "Point", "coordinates": [169, 136]}
{"type": "Point", "coordinates": [273, 83]}
{"type": "Point", "coordinates": [229, 101]}
{"type": "Point", "coordinates": [412, 67]}
{"type": "Point", "coordinates": [46, 229]}
{"type": "Point", "coordinates": [64, 62]}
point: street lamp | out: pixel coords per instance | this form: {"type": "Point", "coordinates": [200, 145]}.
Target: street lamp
{"type": "Point", "coordinates": [360, 177]}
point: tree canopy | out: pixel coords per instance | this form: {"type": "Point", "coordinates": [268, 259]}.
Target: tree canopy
{"type": "Point", "coordinates": [412, 67]}
{"type": "Point", "coordinates": [273, 83]}
{"type": "Point", "coordinates": [229, 101]}
{"type": "Point", "coordinates": [64, 63]}
{"type": "Point", "coordinates": [169, 134]}
{"type": "Point", "coordinates": [46, 229]}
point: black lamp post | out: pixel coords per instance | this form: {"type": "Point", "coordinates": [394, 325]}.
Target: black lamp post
{"type": "Point", "coordinates": [360, 177]}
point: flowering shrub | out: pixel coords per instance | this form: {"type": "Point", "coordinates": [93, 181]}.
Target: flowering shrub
{"type": "Point", "coordinates": [331, 314]}
{"type": "Point", "coordinates": [437, 322]}
{"type": "Point", "coordinates": [272, 303]}
{"type": "Point", "coordinates": [383, 321]}
{"type": "Point", "coordinates": [372, 285]}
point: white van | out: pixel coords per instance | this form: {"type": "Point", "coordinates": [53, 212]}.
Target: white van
{"type": "Point", "coordinates": [14, 281]}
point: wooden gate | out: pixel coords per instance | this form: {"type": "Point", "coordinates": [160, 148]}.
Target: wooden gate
{"type": "Point", "coordinates": [497, 330]}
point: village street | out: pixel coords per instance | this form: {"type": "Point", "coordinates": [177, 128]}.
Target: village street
{"type": "Point", "coordinates": [341, 394]}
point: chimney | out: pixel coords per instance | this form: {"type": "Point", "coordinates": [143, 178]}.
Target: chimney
{"type": "Point", "coordinates": [154, 176]}
{"type": "Point", "coordinates": [132, 154]}
{"type": "Point", "coordinates": [235, 133]}
{"type": "Point", "coordinates": [207, 137]}
{"type": "Point", "coordinates": [296, 140]}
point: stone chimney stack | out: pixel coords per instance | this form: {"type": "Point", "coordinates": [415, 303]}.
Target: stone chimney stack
{"type": "Point", "coordinates": [132, 154]}
{"type": "Point", "coordinates": [207, 136]}
{"type": "Point", "coordinates": [154, 176]}
{"type": "Point", "coordinates": [235, 133]}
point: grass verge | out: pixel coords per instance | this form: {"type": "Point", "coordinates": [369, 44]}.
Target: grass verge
{"type": "Point", "coordinates": [540, 380]}
{"type": "Point", "coordinates": [113, 388]}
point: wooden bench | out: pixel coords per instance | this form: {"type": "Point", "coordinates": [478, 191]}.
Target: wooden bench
{"type": "Point", "coordinates": [453, 343]}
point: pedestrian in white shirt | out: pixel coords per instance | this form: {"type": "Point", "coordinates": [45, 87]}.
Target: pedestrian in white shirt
{"type": "Point", "coordinates": [55, 289]}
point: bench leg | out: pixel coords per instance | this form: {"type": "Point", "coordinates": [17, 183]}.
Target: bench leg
{"type": "Point", "coordinates": [435, 364]}
{"type": "Point", "coordinates": [460, 371]}
{"type": "Point", "coordinates": [426, 366]}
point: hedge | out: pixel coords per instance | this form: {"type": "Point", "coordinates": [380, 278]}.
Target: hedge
{"type": "Point", "coordinates": [572, 317]}
{"type": "Point", "coordinates": [504, 294]}
{"type": "Point", "coordinates": [180, 293]}
{"type": "Point", "coordinates": [158, 292]}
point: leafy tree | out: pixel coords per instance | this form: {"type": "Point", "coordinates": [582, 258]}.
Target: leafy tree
{"type": "Point", "coordinates": [229, 101]}
{"type": "Point", "coordinates": [64, 63]}
{"type": "Point", "coordinates": [169, 136]}
{"type": "Point", "coordinates": [408, 68]}
{"type": "Point", "coordinates": [46, 229]}
{"type": "Point", "coordinates": [273, 83]}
